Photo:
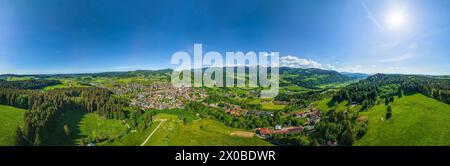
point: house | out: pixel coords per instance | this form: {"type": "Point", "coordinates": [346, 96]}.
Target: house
{"type": "Point", "coordinates": [277, 127]}
{"type": "Point", "coordinates": [90, 144]}
{"type": "Point", "coordinates": [266, 132]}
{"type": "Point", "coordinates": [263, 132]}
{"type": "Point", "coordinates": [309, 128]}
{"type": "Point", "coordinates": [295, 129]}
{"type": "Point", "coordinates": [301, 114]}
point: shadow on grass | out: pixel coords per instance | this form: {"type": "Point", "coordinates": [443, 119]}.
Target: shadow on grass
{"type": "Point", "coordinates": [72, 119]}
{"type": "Point", "coordinates": [331, 104]}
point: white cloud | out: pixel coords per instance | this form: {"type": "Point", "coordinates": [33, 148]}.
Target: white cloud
{"type": "Point", "coordinates": [353, 69]}
{"type": "Point", "coordinates": [293, 61]}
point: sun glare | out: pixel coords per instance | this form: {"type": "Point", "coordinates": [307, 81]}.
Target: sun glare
{"type": "Point", "coordinates": [397, 19]}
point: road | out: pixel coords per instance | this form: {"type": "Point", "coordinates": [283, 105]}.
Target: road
{"type": "Point", "coordinates": [162, 121]}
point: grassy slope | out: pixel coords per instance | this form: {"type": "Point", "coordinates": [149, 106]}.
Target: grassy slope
{"type": "Point", "coordinates": [84, 125]}
{"type": "Point", "coordinates": [416, 120]}
{"type": "Point", "coordinates": [10, 117]}
{"type": "Point", "coordinates": [325, 105]}
{"type": "Point", "coordinates": [174, 132]}
{"type": "Point", "coordinates": [199, 132]}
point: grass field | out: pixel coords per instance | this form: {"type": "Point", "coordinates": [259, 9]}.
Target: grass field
{"type": "Point", "coordinates": [202, 132]}
{"type": "Point", "coordinates": [20, 78]}
{"type": "Point", "coordinates": [272, 106]}
{"type": "Point", "coordinates": [266, 104]}
{"type": "Point", "coordinates": [416, 120]}
{"type": "Point", "coordinates": [84, 125]}
{"type": "Point", "coordinates": [10, 117]}
{"type": "Point", "coordinates": [295, 88]}
{"type": "Point", "coordinates": [65, 83]}
{"type": "Point", "coordinates": [255, 101]}
{"type": "Point", "coordinates": [325, 105]}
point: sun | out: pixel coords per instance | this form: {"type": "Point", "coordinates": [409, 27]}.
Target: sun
{"type": "Point", "coordinates": [397, 19]}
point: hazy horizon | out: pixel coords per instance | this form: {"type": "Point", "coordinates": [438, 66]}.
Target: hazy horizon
{"type": "Point", "coordinates": [385, 36]}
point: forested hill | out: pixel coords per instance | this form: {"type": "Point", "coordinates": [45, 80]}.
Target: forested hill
{"type": "Point", "coordinates": [312, 77]}
{"type": "Point", "coordinates": [27, 84]}
{"type": "Point", "coordinates": [386, 85]}
{"type": "Point", "coordinates": [136, 73]}
{"type": "Point", "coordinates": [309, 78]}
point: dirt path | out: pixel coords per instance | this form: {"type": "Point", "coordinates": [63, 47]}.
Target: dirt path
{"type": "Point", "coordinates": [162, 121]}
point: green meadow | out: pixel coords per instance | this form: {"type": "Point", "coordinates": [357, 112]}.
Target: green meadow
{"type": "Point", "coordinates": [201, 132]}
{"type": "Point", "coordinates": [10, 117]}
{"type": "Point", "coordinates": [86, 125]}
{"type": "Point", "coordinates": [65, 83]}
{"type": "Point", "coordinates": [416, 120]}
{"type": "Point", "coordinates": [325, 105]}
{"type": "Point", "coordinates": [272, 106]}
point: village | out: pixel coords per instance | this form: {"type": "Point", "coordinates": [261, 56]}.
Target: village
{"type": "Point", "coordinates": [162, 95]}
{"type": "Point", "coordinates": [165, 96]}
{"type": "Point", "coordinates": [312, 116]}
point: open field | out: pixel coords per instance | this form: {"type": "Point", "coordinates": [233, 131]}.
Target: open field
{"type": "Point", "coordinates": [416, 120]}
{"type": "Point", "coordinates": [295, 88]}
{"type": "Point", "coordinates": [272, 106]}
{"type": "Point", "coordinates": [86, 125]}
{"type": "Point", "coordinates": [10, 117]}
{"type": "Point", "coordinates": [266, 104]}
{"type": "Point", "coordinates": [325, 105]}
{"type": "Point", "coordinates": [202, 132]}
{"type": "Point", "coordinates": [175, 133]}
{"type": "Point", "coordinates": [65, 83]}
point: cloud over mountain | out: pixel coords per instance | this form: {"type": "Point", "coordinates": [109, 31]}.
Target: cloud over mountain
{"type": "Point", "coordinates": [293, 61]}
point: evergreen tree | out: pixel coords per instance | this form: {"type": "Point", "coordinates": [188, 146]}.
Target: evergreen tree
{"type": "Point", "coordinates": [19, 139]}
{"type": "Point", "coordinates": [388, 112]}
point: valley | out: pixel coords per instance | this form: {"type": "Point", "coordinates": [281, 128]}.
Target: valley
{"type": "Point", "coordinates": [314, 108]}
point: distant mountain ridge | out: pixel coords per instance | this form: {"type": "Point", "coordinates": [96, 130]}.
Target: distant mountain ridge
{"type": "Point", "coordinates": [313, 77]}
{"type": "Point", "coordinates": [355, 75]}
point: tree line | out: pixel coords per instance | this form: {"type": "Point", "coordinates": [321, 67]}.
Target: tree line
{"type": "Point", "coordinates": [368, 90]}
{"type": "Point", "coordinates": [27, 84]}
{"type": "Point", "coordinates": [45, 107]}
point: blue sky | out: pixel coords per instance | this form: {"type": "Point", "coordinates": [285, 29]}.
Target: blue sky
{"type": "Point", "coordinates": [72, 36]}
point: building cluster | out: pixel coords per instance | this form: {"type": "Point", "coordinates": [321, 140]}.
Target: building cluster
{"type": "Point", "coordinates": [267, 132]}
{"type": "Point", "coordinates": [312, 115]}
{"type": "Point", "coordinates": [130, 88]}
{"type": "Point", "coordinates": [236, 110]}
{"type": "Point", "coordinates": [166, 96]}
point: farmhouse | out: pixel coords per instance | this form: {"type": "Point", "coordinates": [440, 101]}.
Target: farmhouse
{"type": "Point", "coordinates": [266, 132]}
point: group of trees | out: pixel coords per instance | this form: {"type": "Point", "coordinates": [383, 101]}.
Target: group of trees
{"type": "Point", "coordinates": [45, 107]}
{"type": "Point", "coordinates": [27, 84]}
{"type": "Point", "coordinates": [141, 120]}
{"type": "Point", "coordinates": [301, 100]}
{"type": "Point", "coordinates": [245, 121]}
{"type": "Point", "coordinates": [339, 127]}
{"type": "Point", "coordinates": [368, 90]}
{"type": "Point", "coordinates": [294, 139]}
{"type": "Point", "coordinates": [310, 78]}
